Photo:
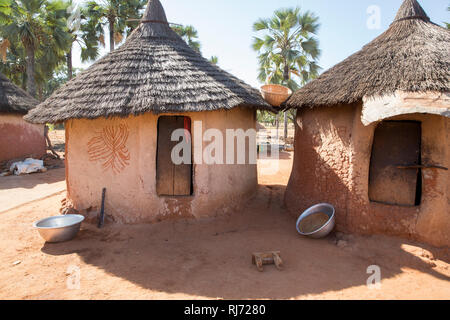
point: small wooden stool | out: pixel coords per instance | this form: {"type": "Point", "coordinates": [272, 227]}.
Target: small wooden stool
{"type": "Point", "coordinates": [263, 258]}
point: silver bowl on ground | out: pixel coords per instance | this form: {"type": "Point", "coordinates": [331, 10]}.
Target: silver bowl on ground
{"type": "Point", "coordinates": [59, 228]}
{"type": "Point", "coordinates": [321, 227]}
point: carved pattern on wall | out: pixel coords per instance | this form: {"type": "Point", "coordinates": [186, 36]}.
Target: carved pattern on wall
{"type": "Point", "coordinates": [109, 148]}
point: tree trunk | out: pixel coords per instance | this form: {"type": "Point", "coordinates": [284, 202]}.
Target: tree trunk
{"type": "Point", "coordinates": [286, 72]}
{"type": "Point", "coordinates": [69, 64]}
{"type": "Point", "coordinates": [278, 126]}
{"type": "Point", "coordinates": [31, 81]}
{"type": "Point", "coordinates": [285, 127]}
{"type": "Point", "coordinates": [40, 93]}
{"type": "Point", "coordinates": [286, 79]}
{"type": "Point", "coordinates": [111, 35]}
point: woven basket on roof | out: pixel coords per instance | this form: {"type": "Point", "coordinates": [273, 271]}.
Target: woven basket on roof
{"type": "Point", "coordinates": [275, 94]}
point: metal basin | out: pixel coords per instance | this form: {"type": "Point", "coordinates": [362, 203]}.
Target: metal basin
{"type": "Point", "coordinates": [59, 228]}
{"type": "Point", "coordinates": [324, 228]}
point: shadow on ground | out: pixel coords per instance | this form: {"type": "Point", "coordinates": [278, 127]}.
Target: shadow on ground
{"type": "Point", "coordinates": [212, 258]}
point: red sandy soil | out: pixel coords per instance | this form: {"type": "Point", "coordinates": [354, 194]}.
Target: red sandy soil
{"type": "Point", "coordinates": [211, 258]}
{"type": "Point", "coordinates": [16, 191]}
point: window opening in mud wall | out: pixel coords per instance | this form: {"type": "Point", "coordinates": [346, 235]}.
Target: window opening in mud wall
{"type": "Point", "coordinates": [395, 167]}
{"type": "Point", "coordinates": [173, 179]}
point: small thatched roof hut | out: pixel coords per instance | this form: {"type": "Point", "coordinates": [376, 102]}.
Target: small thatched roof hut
{"type": "Point", "coordinates": [372, 134]}
{"type": "Point", "coordinates": [18, 138]}
{"type": "Point", "coordinates": [14, 99]}
{"type": "Point", "coordinates": [120, 116]}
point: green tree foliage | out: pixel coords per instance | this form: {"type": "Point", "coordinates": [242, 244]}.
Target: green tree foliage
{"type": "Point", "coordinates": [121, 17]}
{"type": "Point", "coordinates": [60, 76]}
{"type": "Point", "coordinates": [214, 60]}
{"type": "Point", "coordinates": [81, 34]}
{"type": "Point", "coordinates": [37, 37]}
{"type": "Point", "coordinates": [288, 50]}
{"type": "Point", "coordinates": [188, 34]}
{"type": "Point", "coordinates": [34, 37]}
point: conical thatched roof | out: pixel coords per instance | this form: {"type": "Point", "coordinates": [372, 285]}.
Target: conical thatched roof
{"type": "Point", "coordinates": [413, 55]}
{"type": "Point", "coordinates": [154, 71]}
{"type": "Point", "coordinates": [13, 99]}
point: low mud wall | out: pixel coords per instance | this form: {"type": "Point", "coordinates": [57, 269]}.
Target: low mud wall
{"type": "Point", "coordinates": [20, 139]}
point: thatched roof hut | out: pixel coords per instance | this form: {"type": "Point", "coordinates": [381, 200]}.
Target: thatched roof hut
{"type": "Point", "coordinates": [18, 138]}
{"type": "Point", "coordinates": [154, 71]}
{"type": "Point", "coordinates": [412, 55]}
{"type": "Point", "coordinates": [14, 99]}
{"type": "Point", "coordinates": [373, 134]}
{"type": "Point", "coordinates": [122, 114]}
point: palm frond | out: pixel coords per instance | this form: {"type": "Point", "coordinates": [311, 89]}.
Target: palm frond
{"type": "Point", "coordinates": [287, 50]}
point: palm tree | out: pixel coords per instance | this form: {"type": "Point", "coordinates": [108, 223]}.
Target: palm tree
{"type": "Point", "coordinates": [38, 27]}
{"type": "Point", "coordinates": [121, 17]}
{"type": "Point", "coordinates": [214, 60]}
{"type": "Point", "coordinates": [80, 33]}
{"type": "Point", "coordinates": [188, 34]}
{"type": "Point", "coordinates": [57, 42]}
{"type": "Point", "coordinates": [288, 50]}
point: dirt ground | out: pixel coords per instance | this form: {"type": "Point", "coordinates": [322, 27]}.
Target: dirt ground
{"type": "Point", "coordinates": [17, 191]}
{"type": "Point", "coordinates": [211, 258]}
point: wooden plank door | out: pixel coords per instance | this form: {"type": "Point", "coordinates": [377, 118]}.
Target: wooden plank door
{"type": "Point", "coordinates": [396, 143]}
{"type": "Point", "coordinates": [171, 179]}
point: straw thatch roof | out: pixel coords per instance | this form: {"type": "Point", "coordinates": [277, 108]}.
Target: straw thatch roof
{"type": "Point", "coordinates": [13, 99]}
{"type": "Point", "coordinates": [413, 55]}
{"type": "Point", "coordinates": [154, 71]}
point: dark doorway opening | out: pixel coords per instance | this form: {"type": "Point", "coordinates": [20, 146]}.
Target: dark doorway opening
{"type": "Point", "coordinates": [395, 177]}
{"type": "Point", "coordinates": [173, 179]}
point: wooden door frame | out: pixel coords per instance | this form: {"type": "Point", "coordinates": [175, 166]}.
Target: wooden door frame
{"type": "Point", "coordinates": [156, 159]}
{"type": "Point", "coordinates": [419, 181]}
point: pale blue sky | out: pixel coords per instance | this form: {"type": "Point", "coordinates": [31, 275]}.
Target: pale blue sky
{"type": "Point", "coordinates": [225, 27]}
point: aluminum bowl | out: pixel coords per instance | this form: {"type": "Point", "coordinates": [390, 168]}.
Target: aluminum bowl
{"type": "Point", "coordinates": [59, 228]}
{"type": "Point", "coordinates": [326, 229]}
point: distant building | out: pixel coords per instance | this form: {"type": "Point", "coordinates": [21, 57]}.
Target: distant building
{"type": "Point", "coordinates": [18, 139]}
